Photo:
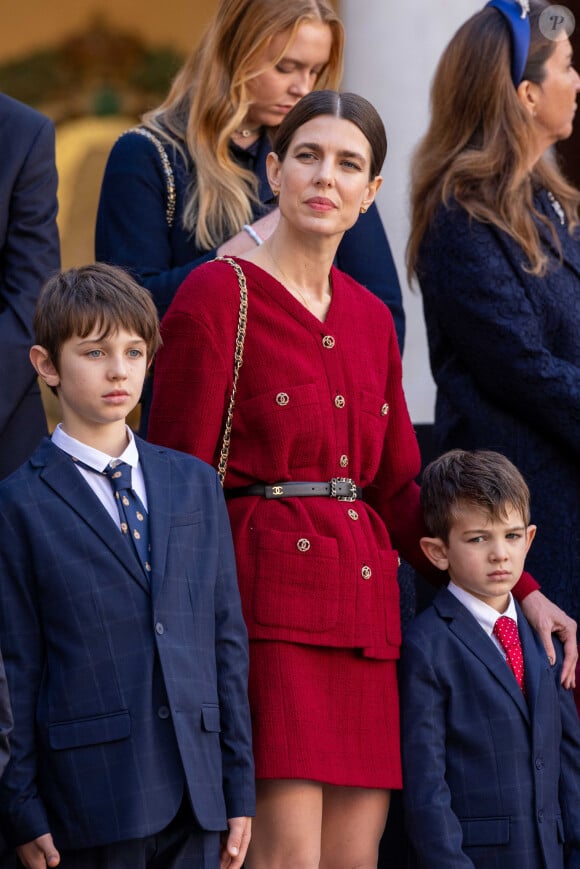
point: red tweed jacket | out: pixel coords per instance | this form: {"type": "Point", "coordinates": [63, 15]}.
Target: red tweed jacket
{"type": "Point", "coordinates": [315, 401]}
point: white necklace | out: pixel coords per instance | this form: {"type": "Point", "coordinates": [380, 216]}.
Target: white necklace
{"type": "Point", "coordinates": [246, 132]}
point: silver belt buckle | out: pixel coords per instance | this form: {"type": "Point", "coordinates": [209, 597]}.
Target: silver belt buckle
{"type": "Point", "coordinates": [351, 489]}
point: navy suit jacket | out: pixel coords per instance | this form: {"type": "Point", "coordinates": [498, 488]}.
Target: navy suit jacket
{"type": "Point", "coordinates": [125, 696]}
{"type": "Point", "coordinates": [29, 253]}
{"type": "Point", "coordinates": [491, 780]}
{"type": "Point", "coordinates": [505, 354]}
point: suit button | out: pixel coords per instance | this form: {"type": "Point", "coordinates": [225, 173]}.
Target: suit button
{"type": "Point", "coordinates": [163, 712]}
{"type": "Point", "coordinates": [282, 399]}
{"type": "Point", "coordinates": [384, 409]}
{"type": "Point", "coordinates": [353, 514]}
{"type": "Point", "coordinates": [541, 815]}
{"type": "Point", "coordinates": [366, 572]}
{"type": "Point", "coordinates": [344, 461]}
{"type": "Point", "coordinates": [303, 544]}
{"type": "Point", "coordinates": [328, 342]}
{"type": "Point", "coordinates": [159, 629]}
{"type": "Point", "coordinates": [539, 763]}
{"type": "Point", "coordinates": [339, 401]}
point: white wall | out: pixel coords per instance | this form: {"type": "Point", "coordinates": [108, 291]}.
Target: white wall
{"type": "Point", "coordinates": [392, 50]}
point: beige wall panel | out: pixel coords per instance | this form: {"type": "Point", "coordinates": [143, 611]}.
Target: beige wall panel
{"type": "Point", "coordinates": [35, 24]}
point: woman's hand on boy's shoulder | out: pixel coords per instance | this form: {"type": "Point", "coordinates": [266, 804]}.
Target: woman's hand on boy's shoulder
{"type": "Point", "coordinates": [547, 619]}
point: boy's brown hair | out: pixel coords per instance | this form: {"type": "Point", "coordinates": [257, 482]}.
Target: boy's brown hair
{"type": "Point", "coordinates": [96, 296]}
{"type": "Point", "coordinates": [482, 479]}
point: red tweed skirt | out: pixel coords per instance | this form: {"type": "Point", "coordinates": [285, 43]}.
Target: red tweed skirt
{"type": "Point", "coordinates": [324, 714]}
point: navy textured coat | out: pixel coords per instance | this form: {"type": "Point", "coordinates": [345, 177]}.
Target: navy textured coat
{"type": "Point", "coordinates": [29, 253]}
{"type": "Point", "coordinates": [491, 779]}
{"type": "Point", "coordinates": [132, 229]}
{"type": "Point", "coordinates": [125, 695]}
{"type": "Point", "coordinates": [505, 354]}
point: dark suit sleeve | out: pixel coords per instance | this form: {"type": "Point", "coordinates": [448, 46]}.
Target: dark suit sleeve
{"type": "Point", "coordinates": [432, 825]}
{"type": "Point", "coordinates": [30, 251]}
{"type": "Point", "coordinates": [570, 768]}
{"type": "Point", "coordinates": [364, 254]}
{"type": "Point", "coordinates": [5, 719]}
{"type": "Point", "coordinates": [22, 812]}
{"type": "Point", "coordinates": [232, 668]}
{"type": "Point", "coordinates": [132, 230]}
{"type": "Point", "coordinates": [478, 297]}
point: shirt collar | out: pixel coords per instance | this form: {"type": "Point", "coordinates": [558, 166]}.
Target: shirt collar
{"type": "Point", "coordinates": [485, 615]}
{"type": "Point", "coordinates": [92, 457]}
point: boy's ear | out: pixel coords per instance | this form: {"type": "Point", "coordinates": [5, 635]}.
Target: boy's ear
{"type": "Point", "coordinates": [436, 551]}
{"type": "Point", "coordinates": [530, 534]}
{"type": "Point", "coordinates": [44, 366]}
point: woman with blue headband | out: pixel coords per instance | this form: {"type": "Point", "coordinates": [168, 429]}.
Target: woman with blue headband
{"type": "Point", "coordinates": [495, 245]}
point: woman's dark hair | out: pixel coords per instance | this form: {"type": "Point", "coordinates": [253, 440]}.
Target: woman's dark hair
{"type": "Point", "coordinates": [349, 107]}
{"type": "Point", "coordinates": [480, 140]}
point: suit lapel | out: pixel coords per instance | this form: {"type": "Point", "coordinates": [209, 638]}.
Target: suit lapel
{"type": "Point", "coordinates": [463, 625]}
{"type": "Point", "coordinates": [58, 472]}
{"type": "Point", "coordinates": [157, 473]}
{"type": "Point", "coordinates": [535, 659]}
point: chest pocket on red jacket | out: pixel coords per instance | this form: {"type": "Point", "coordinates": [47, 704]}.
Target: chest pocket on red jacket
{"type": "Point", "coordinates": [277, 432]}
{"type": "Point", "coordinates": [373, 423]}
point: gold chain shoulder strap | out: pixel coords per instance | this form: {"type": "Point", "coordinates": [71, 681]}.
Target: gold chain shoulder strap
{"type": "Point", "coordinates": [165, 165]}
{"type": "Point", "coordinates": [238, 359]}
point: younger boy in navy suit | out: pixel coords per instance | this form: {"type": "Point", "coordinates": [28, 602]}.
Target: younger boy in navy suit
{"type": "Point", "coordinates": [491, 744]}
{"type": "Point", "coordinates": [125, 648]}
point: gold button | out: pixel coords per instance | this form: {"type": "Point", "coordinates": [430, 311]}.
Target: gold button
{"type": "Point", "coordinates": [303, 544]}
{"type": "Point", "coordinates": [384, 409]}
{"type": "Point", "coordinates": [353, 515]}
{"type": "Point", "coordinates": [282, 399]}
{"type": "Point", "coordinates": [344, 461]}
{"type": "Point", "coordinates": [328, 342]}
{"type": "Point", "coordinates": [366, 572]}
{"type": "Point", "coordinates": [339, 401]}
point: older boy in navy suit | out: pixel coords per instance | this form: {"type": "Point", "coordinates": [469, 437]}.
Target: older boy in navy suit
{"type": "Point", "coordinates": [491, 742]}
{"type": "Point", "coordinates": [125, 649]}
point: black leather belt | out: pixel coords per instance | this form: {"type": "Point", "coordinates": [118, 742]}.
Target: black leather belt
{"type": "Point", "coordinates": [341, 488]}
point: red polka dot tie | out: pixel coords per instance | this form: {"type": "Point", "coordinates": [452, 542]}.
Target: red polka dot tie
{"type": "Point", "coordinates": [506, 630]}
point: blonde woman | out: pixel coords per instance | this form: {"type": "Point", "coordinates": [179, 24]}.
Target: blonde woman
{"type": "Point", "coordinates": [256, 60]}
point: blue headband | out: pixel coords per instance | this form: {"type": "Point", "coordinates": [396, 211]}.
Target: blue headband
{"type": "Point", "coordinates": [515, 13]}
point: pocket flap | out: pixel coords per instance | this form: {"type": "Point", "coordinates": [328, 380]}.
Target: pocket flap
{"type": "Point", "coordinates": [89, 731]}
{"type": "Point", "coordinates": [210, 715]}
{"type": "Point", "coordinates": [485, 831]}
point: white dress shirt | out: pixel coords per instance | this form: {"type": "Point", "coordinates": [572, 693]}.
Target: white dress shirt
{"type": "Point", "coordinates": [485, 615]}
{"type": "Point", "coordinates": [100, 484]}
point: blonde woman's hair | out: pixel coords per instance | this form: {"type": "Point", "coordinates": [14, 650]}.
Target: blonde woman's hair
{"type": "Point", "coordinates": [479, 143]}
{"type": "Point", "coordinates": [208, 101]}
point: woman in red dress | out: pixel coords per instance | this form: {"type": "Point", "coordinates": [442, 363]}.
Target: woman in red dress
{"type": "Point", "coordinates": [319, 418]}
